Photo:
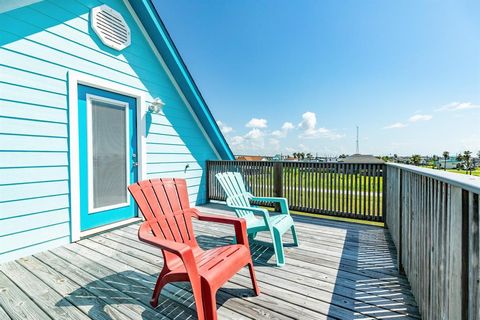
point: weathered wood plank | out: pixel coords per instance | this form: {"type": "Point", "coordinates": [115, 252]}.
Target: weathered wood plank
{"type": "Point", "coordinates": [44, 296]}
{"type": "Point", "coordinates": [296, 284]}
{"type": "Point", "coordinates": [87, 302]}
{"type": "Point", "coordinates": [433, 219]}
{"type": "Point", "coordinates": [122, 306]}
{"type": "Point", "coordinates": [341, 270]}
{"type": "Point", "coordinates": [474, 258]}
{"type": "Point", "coordinates": [134, 284]}
{"type": "Point", "coordinates": [147, 264]}
{"type": "Point", "coordinates": [16, 303]}
{"type": "Point", "coordinates": [3, 314]}
{"type": "Point", "coordinates": [321, 277]}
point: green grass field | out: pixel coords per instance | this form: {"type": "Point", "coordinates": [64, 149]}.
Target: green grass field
{"type": "Point", "coordinates": [357, 193]}
{"type": "Point", "coordinates": [293, 178]}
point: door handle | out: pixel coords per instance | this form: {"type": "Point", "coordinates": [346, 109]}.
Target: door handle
{"type": "Point", "coordinates": [135, 164]}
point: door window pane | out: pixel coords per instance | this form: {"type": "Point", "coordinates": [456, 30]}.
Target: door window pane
{"type": "Point", "coordinates": [109, 152]}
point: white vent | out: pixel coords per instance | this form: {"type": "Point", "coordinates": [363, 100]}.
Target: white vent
{"type": "Point", "coordinates": [110, 27]}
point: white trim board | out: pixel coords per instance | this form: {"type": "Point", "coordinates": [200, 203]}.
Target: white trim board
{"type": "Point", "coordinates": [110, 226]}
{"type": "Point", "coordinates": [74, 79]}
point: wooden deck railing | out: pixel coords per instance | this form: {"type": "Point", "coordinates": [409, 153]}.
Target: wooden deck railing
{"type": "Point", "coordinates": [433, 218]}
{"type": "Point", "coordinates": [338, 189]}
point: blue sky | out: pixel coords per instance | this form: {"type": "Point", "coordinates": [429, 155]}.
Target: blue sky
{"type": "Point", "coordinates": [286, 76]}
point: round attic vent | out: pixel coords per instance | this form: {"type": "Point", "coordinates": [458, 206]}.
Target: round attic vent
{"type": "Point", "coordinates": [110, 27]}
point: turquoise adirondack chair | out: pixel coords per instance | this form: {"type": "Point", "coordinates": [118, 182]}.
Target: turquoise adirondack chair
{"type": "Point", "coordinates": [239, 199]}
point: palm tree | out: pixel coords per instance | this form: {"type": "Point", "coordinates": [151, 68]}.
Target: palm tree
{"type": "Point", "coordinates": [467, 160]}
{"type": "Point", "coordinates": [446, 155]}
{"type": "Point", "coordinates": [295, 155]}
{"type": "Point", "coordinates": [415, 159]}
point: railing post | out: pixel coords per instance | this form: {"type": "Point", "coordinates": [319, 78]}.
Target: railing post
{"type": "Point", "coordinates": [400, 221]}
{"type": "Point", "coordinates": [384, 195]}
{"type": "Point", "coordinates": [277, 182]}
{"type": "Point", "coordinates": [465, 261]}
{"type": "Point", "coordinates": [208, 180]}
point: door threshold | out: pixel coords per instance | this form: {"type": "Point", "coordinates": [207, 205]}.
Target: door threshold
{"type": "Point", "coordinates": [107, 227]}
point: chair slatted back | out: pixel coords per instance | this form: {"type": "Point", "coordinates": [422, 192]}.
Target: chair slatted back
{"type": "Point", "coordinates": [237, 194]}
{"type": "Point", "coordinates": [161, 202]}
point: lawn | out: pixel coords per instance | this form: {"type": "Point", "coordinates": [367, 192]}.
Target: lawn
{"type": "Point", "coordinates": [316, 190]}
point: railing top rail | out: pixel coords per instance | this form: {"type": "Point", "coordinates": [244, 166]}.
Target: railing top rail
{"type": "Point", "coordinates": [467, 182]}
{"type": "Point", "coordinates": [293, 162]}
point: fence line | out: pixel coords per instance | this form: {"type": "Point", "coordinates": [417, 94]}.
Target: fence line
{"type": "Point", "coordinates": [433, 218]}
{"type": "Point", "coordinates": [337, 189]}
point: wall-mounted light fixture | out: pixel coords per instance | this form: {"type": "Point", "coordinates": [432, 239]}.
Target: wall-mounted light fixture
{"type": "Point", "coordinates": [155, 106]}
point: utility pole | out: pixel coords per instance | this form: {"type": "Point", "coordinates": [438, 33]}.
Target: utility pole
{"type": "Point", "coordinates": [358, 147]}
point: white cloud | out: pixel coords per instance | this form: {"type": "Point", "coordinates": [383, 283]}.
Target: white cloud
{"type": "Point", "coordinates": [278, 134]}
{"type": "Point", "coordinates": [458, 106]}
{"type": "Point", "coordinates": [309, 121]}
{"type": "Point", "coordinates": [397, 125]}
{"type": "Point", "coordinates": [283, 132]}
{"type": "Point", "coordinates": [256, 123]}
{"type": "Point", "coordinates": [274, 144]}
{"type": "Point", "coordinates": [234, 141]}
{"type": "Point", "coordinates": [310, 130]}
{"type": "Point", "coordinates": [414, 118]}
{"type": "Point", "coordinates": [420, 117]}
{"type": "Point", "coordinates": [254, 134]}
{"type": "Point", "coordinates": [224, 128]}
{"type": "Point", "coordinates": [287, 126]}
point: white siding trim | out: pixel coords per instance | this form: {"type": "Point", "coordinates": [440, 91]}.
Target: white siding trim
{"type": "Point", "coordinates": [74, 79]}
{"type": "Point", "coordinates": [170, 76]}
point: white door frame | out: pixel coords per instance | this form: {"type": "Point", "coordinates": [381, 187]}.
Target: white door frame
{"type": "Point", "coordinates": [74, 79]}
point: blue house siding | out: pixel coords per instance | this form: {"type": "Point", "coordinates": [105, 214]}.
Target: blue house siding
{"type": "Point", "coordinates": [40, 44]}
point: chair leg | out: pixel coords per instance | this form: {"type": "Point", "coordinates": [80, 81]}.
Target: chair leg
{"type": "Point", "coordinates": [158, 288]}
{"type": "Point", "coordinates": [251, 236]}
{"type": "Point", "coordinates": [278, 247]}
{"type": "Point", "coordinates": [209, 302]}
{"type": "Point", "coordinates": [294, 235]}
{"type": "Point", "coordinates": [256, 289]}
{"type": "Point", "coordinates": [197, 290]}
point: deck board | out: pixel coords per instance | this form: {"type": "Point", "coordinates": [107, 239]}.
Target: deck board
{"type": "Point", "coordinates": [340, 271]}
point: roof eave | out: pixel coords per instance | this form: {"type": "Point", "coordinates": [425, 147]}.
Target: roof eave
{"type": "Point", "coordinates": [157, 31]}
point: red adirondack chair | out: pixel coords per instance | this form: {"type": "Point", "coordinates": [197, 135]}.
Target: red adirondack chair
{"type": "Point", "coordinates": [165, 206]}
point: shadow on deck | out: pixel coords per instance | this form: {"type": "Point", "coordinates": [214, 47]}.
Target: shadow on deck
{"type": "Point", "coordinates": [341, 270]}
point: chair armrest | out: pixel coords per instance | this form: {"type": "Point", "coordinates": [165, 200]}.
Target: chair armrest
{"type": "Point", "coordinates": [282, 201]}
{"type": "Point", "coordinates": [256, 211]}
{"type": "Point", "coordinates": [220, 219]}
{"type": "Point", "coordinates": [180, 249]}
{"type": "Point", "coordinates": [239, 224]}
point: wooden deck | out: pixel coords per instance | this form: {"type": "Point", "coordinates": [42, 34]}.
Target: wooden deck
{"type": "Point", "coordinates": [340, 271]}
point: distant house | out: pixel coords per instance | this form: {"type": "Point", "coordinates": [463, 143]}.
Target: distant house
{"type": "Point", "coordinates": [81, 94]}
{"type": "Point", "coordinates": [252, 158]}
{"type": "Point", "coordinates": [362, 158]}
{"type": "Point", "coordinates": [451, 163]}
